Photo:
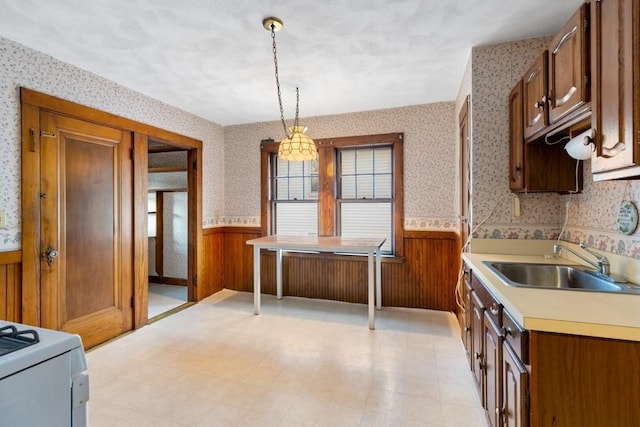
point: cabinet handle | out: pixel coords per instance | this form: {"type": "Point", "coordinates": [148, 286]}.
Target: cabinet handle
{"type": "Point", "coordinates": [518, 169]}
{"type": "Point", "coordinates": [506, 331]}
{"type": "Point", "coordinates": [467, 328]}
{"type": "Point", "coordinates": [613, 151]}
{"type": "Point", "coordinates": [477, 355]}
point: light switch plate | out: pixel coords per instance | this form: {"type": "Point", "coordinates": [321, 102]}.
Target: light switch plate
{"type": "Point", "coordinates": [3, 219]}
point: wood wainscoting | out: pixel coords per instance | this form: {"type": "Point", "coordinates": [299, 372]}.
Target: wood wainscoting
{"type": "Point", "coordinates": [11, 286]}
{"type": "Point", "coordinates": [424, 278]}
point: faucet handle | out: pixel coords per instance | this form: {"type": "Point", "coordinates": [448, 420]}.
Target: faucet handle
{"type": "Point", "coordinates": [593, 252]}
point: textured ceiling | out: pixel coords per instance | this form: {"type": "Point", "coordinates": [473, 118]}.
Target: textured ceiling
{"type": "Point", "coordinates": [213, 58]}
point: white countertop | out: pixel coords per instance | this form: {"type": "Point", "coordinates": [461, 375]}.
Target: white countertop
{"type": "Point", "coordinates": [598, 314]}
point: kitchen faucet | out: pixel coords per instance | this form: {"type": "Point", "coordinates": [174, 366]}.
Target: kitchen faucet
{"type": "Point", "coordinates": [602, 262]}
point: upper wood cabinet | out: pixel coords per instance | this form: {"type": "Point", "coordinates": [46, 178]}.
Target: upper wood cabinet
{"type": "Point", "coordinates": [569, 71]}
{"type": "Point", "coordinates": [556, 89]}
{"type": "Point", "coordinates": [535, 97]}
{"type": "Point", "coordinates": [615, 41]}
{"type": "Point", "coordinates": [535, 166]}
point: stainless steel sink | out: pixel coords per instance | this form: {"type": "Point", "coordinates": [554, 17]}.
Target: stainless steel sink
{"type": "Point", "coordinates": [558, 276]}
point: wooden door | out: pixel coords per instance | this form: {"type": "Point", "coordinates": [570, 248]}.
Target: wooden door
{"type": "Point", "coordinates": [86, 220]}
{"type": "Point", "coordinates": [535, 97]}
{"type": "Point", "coordinates": [515, 390]}
{"type": "Point", "coordinates": [569, 66]}
{"type": "Point", "coordinates": [516, 139]}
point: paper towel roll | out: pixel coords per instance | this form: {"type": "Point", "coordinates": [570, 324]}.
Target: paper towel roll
{"type": "Point", "coordinates": [581, 146]}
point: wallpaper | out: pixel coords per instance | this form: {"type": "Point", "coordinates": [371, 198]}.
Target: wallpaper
{"type": "Point", "coordinates": [590, 216]}
{"type": "Point", "coordinates": [430, 160]}
{"type": "Point", "coordinates": [22, 66]}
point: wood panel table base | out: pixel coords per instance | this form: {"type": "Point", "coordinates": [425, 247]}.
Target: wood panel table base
{"type": "Point", "coordinates": [369, 246]}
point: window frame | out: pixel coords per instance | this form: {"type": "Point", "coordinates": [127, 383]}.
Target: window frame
{"type": "Point", "coordinates": [327, 185]}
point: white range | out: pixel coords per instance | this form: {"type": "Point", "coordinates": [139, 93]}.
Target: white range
{"type": "Point", "coordinates": [43, 377]}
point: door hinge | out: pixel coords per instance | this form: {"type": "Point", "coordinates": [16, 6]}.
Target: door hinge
{"type": "Point", "coordinates": [47, 134]}
{"type": "Point", "coordinates": [587, 80]}
{"type": "Point", "coordinates": [526, 399]}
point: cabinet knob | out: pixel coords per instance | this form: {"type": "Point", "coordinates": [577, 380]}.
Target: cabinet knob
{"type": "Point", "coordinates": [540, 104]}
{"type": "Point", "coordinates": [467, 329]}
{"type": "Point", "coordinates": [518, 169]}
{"type": "Point", "coordinates": [506, 331]}
{"type": "Point", "coordinates": [495, 309]}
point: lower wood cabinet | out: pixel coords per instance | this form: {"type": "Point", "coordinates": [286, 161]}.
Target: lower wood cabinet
{"type": "Point", "coordinates": [515, 389]}
{"type": "Point", "coordinates": [493, 370]}
{"type": "Point", "coordinates": [534, 378]}
{"type": "Point", "coordinates": [488, 343]}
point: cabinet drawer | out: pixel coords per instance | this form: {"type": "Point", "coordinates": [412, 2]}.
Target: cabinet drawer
{"type": "Point", "coordinates": [516, 336]}
{"type": "Point", "coordinates": [487, 301]}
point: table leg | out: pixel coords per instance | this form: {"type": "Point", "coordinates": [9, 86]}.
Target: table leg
{"type": "Point", "coordinates": [370, 276]}
{"type": "Point", "coordinates": [279, 273]}
{"type": "Point", "coordinates": [379, 279]}
{"type": "Point", "coordinates": [256, 280]}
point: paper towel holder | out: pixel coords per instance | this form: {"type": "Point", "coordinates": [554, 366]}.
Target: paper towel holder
{"type": "Point", "coordinates": [582, 145]}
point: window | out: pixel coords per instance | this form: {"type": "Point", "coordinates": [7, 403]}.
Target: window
{"type": "Point", "coordinates": [353, 189]}
{"type": "Point", "coordinates": [293, 197]}
{"type": "Point", "coordinates": [365, 193]}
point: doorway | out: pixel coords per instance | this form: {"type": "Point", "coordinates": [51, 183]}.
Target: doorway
{"type": "Point", "coordinates": [168, 228]}
{"type": "Point", "coordinates": [84, 217]}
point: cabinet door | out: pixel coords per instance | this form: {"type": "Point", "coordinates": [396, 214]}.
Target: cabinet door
{"type": "Point", "coordinates": [616, 102]}
{"type": "Point", "coordinates": [569, 67]}
{"type": "Point", "coordinates": [467, 338]}
{"type": "Point", "coordinates": [516, 139]}
{"type": "Point", "coordinates": [477, 344]}
{"type": "Point", "coordinates": [535, 97]}
{"type": "Point", "coordinates": [515, 390]}
{"type": "Point", "coordinates": [493, 371]}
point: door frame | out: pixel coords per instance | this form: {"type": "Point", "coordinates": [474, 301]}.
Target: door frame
{"type": "Point", "coordinates": [32, 102]}
{"type": "Point", "coordinates": [464, 136]}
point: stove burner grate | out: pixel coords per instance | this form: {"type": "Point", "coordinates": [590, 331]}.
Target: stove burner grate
{"type": "Point", "coordinates": [11, 339]}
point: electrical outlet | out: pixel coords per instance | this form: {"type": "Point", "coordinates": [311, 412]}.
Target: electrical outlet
{"type": "Point", "coordinates": [3, 219]}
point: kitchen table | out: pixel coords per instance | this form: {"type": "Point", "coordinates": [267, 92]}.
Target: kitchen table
{"type": "Point", "coordinates": [339, 245]}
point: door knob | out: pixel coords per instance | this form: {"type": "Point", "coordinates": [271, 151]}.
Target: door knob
{"type": "Point", "coordinates": [50, 254]}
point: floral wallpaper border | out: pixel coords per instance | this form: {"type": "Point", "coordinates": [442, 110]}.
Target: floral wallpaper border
{"type": "Point", "coordinates": [517, 232]}
{"type": "Point", "coordinates": [11, 239]}
{"type": "Point", "coordinates": [440, 224]}
{"type": "Point", "coordinates": [605, 241]}
{"type": "Point", "coordinates": [236, 221]}
{"type": "Point", "coordinates": [444, 224]}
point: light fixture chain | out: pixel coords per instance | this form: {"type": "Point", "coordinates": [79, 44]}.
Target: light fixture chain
{"type": "Point", "coordinates": [295, 123]}
{"type": "Point", "coordinates": [275, 63]}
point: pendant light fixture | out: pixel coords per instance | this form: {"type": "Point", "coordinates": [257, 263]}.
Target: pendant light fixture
{"type": "Point", "coordinates": [296, 145]}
